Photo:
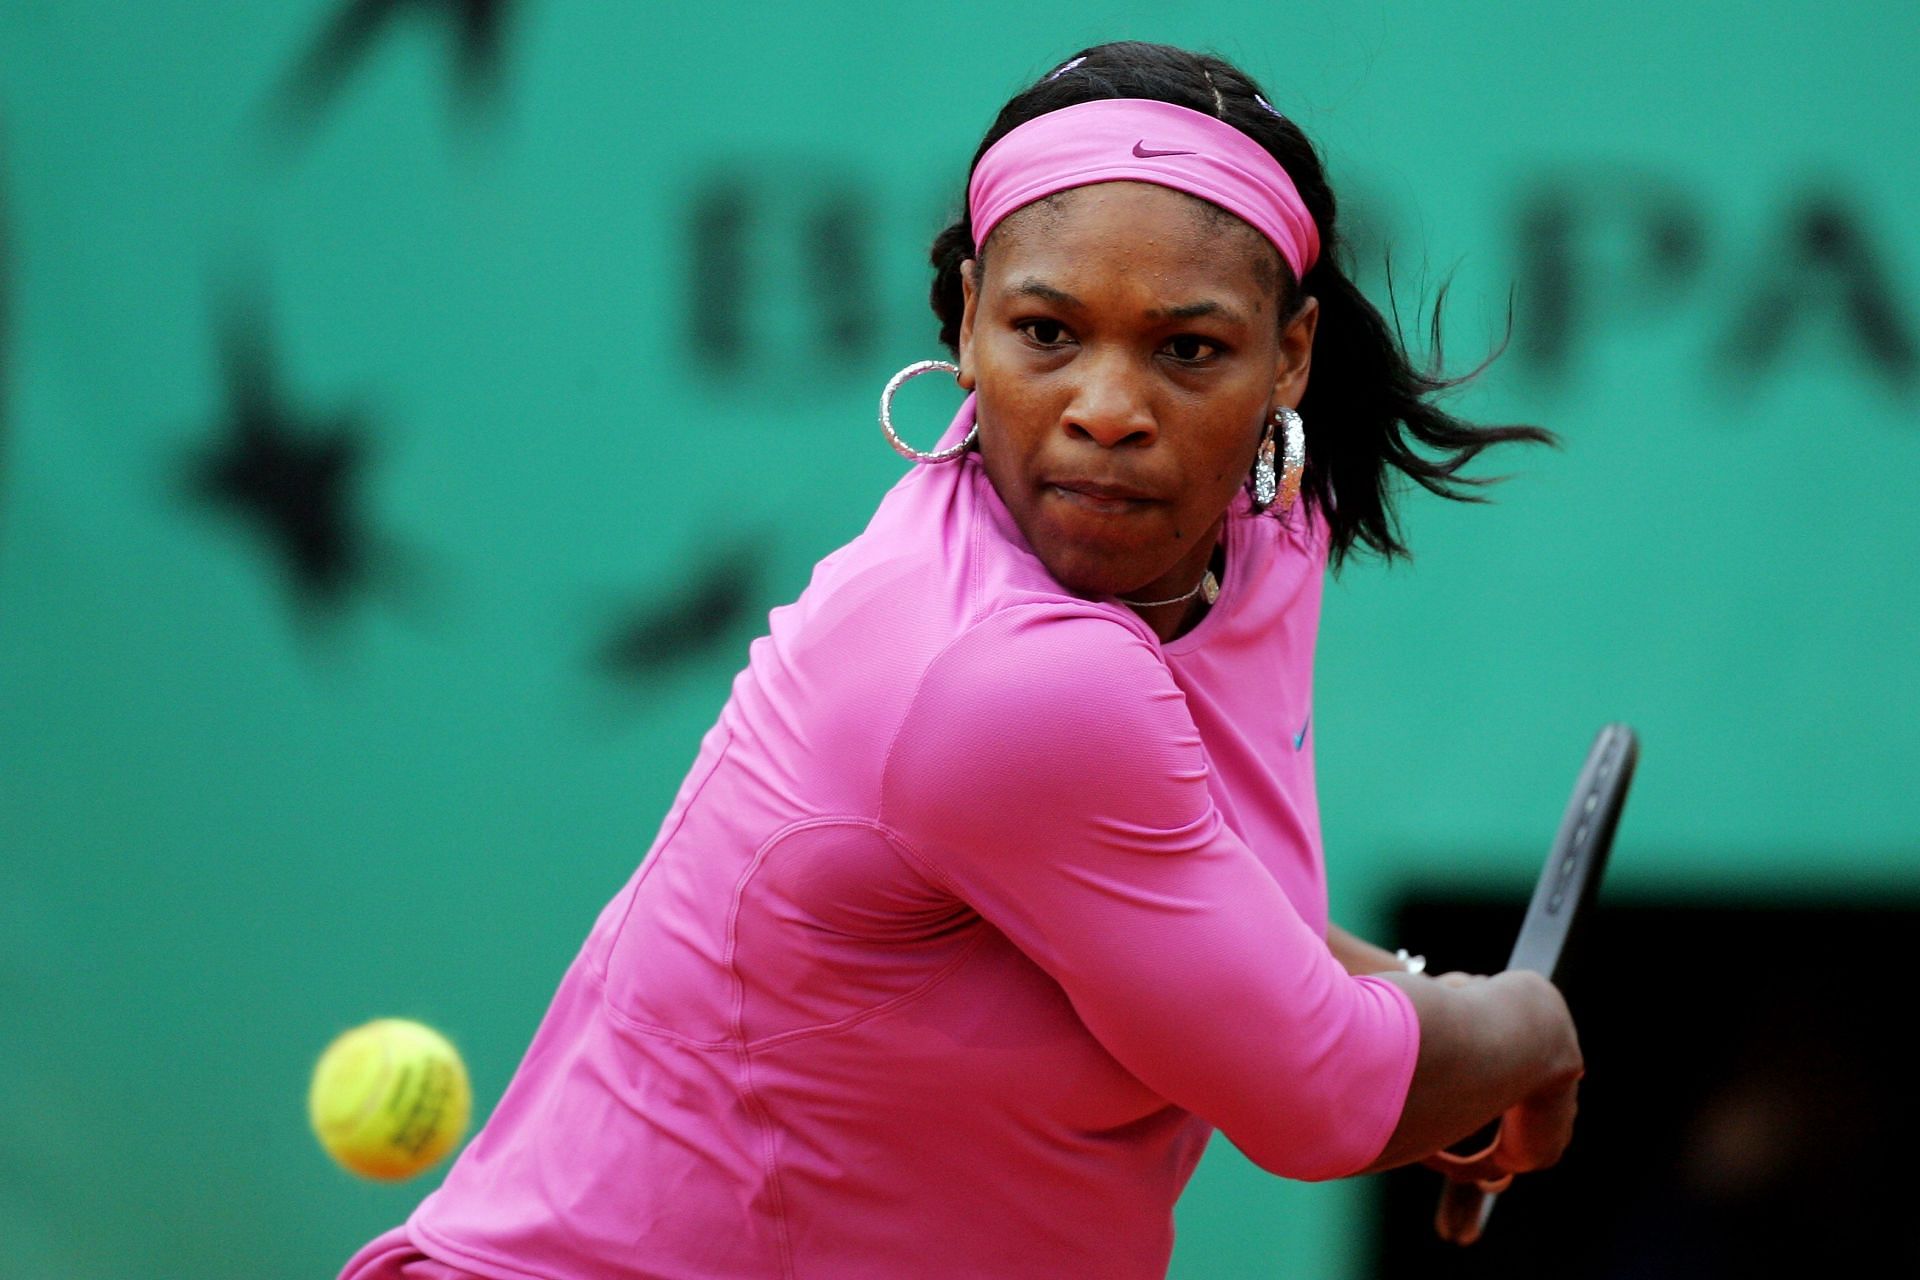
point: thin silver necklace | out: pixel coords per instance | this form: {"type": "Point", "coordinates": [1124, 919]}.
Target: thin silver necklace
{"type": "Point", "coordinates": [1208, 587]}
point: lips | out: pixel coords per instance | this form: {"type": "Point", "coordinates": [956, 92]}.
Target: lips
{"type": "Point", "coordinates": [1103, 490]}
{"type": "Point", "coordinates": [1100, 497]}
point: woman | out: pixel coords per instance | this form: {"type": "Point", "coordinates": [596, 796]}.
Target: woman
{"type": "Point", "coordinates": [997, 886]}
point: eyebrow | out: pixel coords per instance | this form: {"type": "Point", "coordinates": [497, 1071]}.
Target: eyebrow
{"type": "Point", "coordinates": [1194, 310]}
{"type": "Point", "coordinates": [1034, 287]}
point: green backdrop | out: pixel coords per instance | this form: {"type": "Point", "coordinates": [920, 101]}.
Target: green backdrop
{"type": "Point", "coordinates": [559, 355]}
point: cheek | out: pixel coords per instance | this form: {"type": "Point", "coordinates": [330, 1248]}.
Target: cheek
{"type": "Point", "coordinates": [1013, 414]}
{"type": "Point", "coordinates": [1232, 458]}
{"type": "Point", "coordinates": [1003, 451]}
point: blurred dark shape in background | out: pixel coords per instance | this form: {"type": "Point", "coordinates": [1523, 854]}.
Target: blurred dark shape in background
{"type": "Point", "coordinates": [839, 242]}
{"type": "Point", "coordinates": [669, 627]}
{"type": "Point", "coordinates": [475, 26]}
{"type": "Point", "coordinates": [1746, 1111]}
{"type": "Point", "coordinates": [1590, 243]}
{"type": "Point", "coordinates": [291, 473]}
{"type": "Point", "coordinates": [779, 284]}
{"type": "Point", "coordinates": [1621, 248]}
{"type": "Point", "coordinates": [1826, 272]}
{"type": "Point", "coordinates": [718, 219]}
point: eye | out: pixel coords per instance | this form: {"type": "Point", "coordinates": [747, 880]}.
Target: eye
{"type": "Point", "coordinates": [1042, 332]}
{"type": "Point", "coordinates": [1191, 348]}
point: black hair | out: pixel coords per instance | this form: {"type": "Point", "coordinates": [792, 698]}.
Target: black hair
{"type": "Point", "coordinates": [1367, 407]}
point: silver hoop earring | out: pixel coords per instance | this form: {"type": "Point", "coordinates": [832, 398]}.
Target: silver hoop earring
{"type": "Point", "coordinates": [900, 446]}
{"type": "Point", "coordinates": [1286, 485]}
{"type": "Point", "coordinates": [1265, 483]}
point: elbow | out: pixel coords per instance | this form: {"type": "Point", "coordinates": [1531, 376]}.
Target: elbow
{"type": "Point", "coordinates": [1308, 1166]}
{"type": "Point", "coordinates": [1348, 1105]}
{"type": "Point", "coordinates": [1317, 1148]}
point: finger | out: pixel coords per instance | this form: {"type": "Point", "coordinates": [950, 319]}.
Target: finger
{"type": "Point", "coordinates": [1535, 1134]}
{"type": "Point", "coordinates": [1478, 1168]}
{"type": "Point", "coordinates": [1462, 1214]}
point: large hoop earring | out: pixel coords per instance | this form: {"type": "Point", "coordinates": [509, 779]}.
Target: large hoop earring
{"type": "Point", "coordinates": [900, 446]}
{"type": "Point", "coordinates": [1286, 485]}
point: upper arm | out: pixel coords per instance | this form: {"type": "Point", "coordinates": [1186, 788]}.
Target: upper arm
{"type": "Point", "coordinates": [1050, 774]}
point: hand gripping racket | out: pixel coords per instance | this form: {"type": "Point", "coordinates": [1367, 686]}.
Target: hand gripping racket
{"type": "Point", "coordinates": [1562, 900]}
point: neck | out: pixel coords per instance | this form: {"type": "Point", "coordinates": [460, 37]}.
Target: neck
{"type": "Point", "coordinates": [1171, 621]}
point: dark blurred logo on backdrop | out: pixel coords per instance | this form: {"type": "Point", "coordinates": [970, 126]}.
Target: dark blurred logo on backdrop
{"type": "Point", "coordinates": [783, 276]}
{"type": "Point", "coordinates": [294, 477]}
{"type": "Point", "coordinates": [1610, 252]}
{"type": "Point", "coordinates": [661, 629]}
{"type": "Point", "coordinates": [781, 279]}
{"type": "Point", "coordinates": [475, 27]}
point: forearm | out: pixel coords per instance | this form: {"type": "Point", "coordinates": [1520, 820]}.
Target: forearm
{"type": "Point", "coordinates": [1358, 956]}
{"type": "Point", "coordinates": [1486, 1045]}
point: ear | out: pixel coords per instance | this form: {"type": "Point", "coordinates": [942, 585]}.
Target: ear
{"type": "Point", "coordinates": [1296, 354]}
{"type": "Point", "coordinates": [970, 297]}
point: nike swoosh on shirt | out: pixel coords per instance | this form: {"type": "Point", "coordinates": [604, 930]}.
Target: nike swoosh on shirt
{"type": "Point", "coordinates": [1140, 149]}
{"type": "Point", "coordinates": [1300, 738]}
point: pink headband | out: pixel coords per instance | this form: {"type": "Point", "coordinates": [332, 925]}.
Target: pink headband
{"type": "Point", "coordinates": [1142, 140]}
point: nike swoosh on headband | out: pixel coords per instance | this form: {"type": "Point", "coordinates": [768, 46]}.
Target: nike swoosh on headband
{"type": "Point", "coordinates": [1106, 140]}
{"type": "Point", "coordinates": [1140, 150]}
{"type": "Point", "coordinates": [1300, 738]}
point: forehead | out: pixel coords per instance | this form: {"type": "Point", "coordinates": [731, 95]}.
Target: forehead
{"type": "Point", "coordinates": [1140, 231]}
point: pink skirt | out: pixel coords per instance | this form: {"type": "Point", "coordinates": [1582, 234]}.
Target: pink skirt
{"type": "Point", "coordinates": [392, 1256]}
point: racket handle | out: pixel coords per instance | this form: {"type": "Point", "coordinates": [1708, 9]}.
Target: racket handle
{"type": "Point", "coordinates": [1465, 1200]}
{"type": "Point", "coordinates": [1464, 1210]}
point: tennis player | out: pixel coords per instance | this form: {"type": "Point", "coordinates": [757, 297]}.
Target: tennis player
{"type": "Point", "coordinates": [996, 888]}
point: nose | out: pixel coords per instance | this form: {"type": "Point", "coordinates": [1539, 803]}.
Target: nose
{"type": "Point", "coordinates": [1109, 407]}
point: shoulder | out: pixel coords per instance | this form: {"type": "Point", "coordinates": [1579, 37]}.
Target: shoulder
{"type": "Point", "coordinates": [1037, 706]}
{"type": "Point", "coordinates": [1084, 661]}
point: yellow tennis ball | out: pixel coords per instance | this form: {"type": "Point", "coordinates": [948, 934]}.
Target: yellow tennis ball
{"type": "Point", "coordinates": [390, 1099]}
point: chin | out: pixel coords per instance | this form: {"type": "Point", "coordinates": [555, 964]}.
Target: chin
{"type": "Point", "coordinates": [1091, 559]}
{"type": "Point", "coordinates": [1089, 576]}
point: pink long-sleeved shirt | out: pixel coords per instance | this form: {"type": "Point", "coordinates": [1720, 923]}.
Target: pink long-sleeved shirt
{"type": "Point", "coordinates": [978, 912]}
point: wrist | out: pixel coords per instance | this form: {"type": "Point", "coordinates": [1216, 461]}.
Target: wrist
{"type": "Point", "coordinates": [1547, 1026]}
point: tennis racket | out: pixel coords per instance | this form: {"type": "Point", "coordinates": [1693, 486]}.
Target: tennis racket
{"type": "Point", "coordinates": [1562, 901]}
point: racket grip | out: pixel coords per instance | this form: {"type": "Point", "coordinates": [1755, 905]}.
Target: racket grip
{"type": "Point", "coordinates": [1466, 1201]}
{"type": "Point", "coordinates": [1464, 1209]}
